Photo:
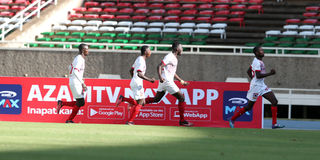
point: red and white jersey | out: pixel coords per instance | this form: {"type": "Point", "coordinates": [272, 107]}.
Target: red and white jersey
{"type": "Point", "coordinates": [76, 70]}
{"type": "Point", "coordinates": [138, 65]}
{"type": "Point", "coordinates": [257, 65]}
{"type": "Point", "coordinates": [169, 70]}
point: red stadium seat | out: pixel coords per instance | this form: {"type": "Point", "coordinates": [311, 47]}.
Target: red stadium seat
{"type": "Point", "coordinates": [190, 0]}
{"type": "Point", "coordinates": [313, 8]}
{"type": "Point", "coordinates": [75, 15]}
{"type": "Point", "coordinates": [219, 19]}
{"type": "Point", "coordinates": [4, 7]}
{"type": "Point", "coordinates": [80, 9]}
{"type": "Point", "coordinates": [110, 10]}
{"type": "Point", "coordinates": [124, 5]}
{"type": "Point", "coordinates": [154, 18]}
{"type": "Point", "coordinates": [310, 21]}
{"type": "Point", "coordinates": [140, 18]}
{"type": "Point", "coordinates": [174, 11]}
{"type": "Point", "coordinates": [108, 4]}
{"type": "Point", "coordinates": [123, 17]}
{"type": "Point", "coordinates": [206, 12]}
{"type": "Point", "coordinates": [91, 16]}
{"type": "Point", "coordinates": [238, 13]}
{"type": "Point", "coordinates": [126, 10]}
{"type": "Point", "coordinates": [256, 7]}
{"type": "Point", "coordinates": [23, 2]}
{"type": "Point", "coordinates": [187, 18]}
{"type": "Point", "coordinates": [91, 4]}
{"type": "Point", "coordinates": [107, 16]}
{"type": "Point", "coordinates": [239, 1]}
{"type": "Point", "coordinates": [205, 1]}
{"type": "Point", "coordinates": [158, 11]}
{"type": "Point", "coordinates": [6, 1]}
{"type": "Point", "coordinates": [6, 14]}
{"type": "Point", "coordinates": [222, 6]}
{"type": "Point", "coordinates": [141, 11]}
{"type": "Point", "coordinates": [310, 14]}
{"type": "Point", "coordinates": [205, 6]}
{"type": "Point", "coordinates": [223, 12]}
{"type": "Point", "coordinates": [95, 9]}
{"type": "Point", "coordinates": [293, 21]}
{"type": "Point", "coordinates": [17, 8]}
{"type": "Point", "coordinates": [140, 5]}
{"type": "Point", "coordinates": [240, 20]}
{"type": "Point", "coordinates": [207, 19]}
{"type": "Point", "coordinates": [174, 5]}
{"type": "Point", "coordinates": [255, 1]}
{"type": "Point", "coordinates": [171, 18]}
{"type": "Point", "coordinates": [156, 5]}
{"type": "Point", "coordinates": [190, 12]}
{"type": "Point", "coordinates": [222, 1]}
{"type": "Point", "coordinates": [238, 7]}
{"type": "Point", "coordinates": [189, 6]}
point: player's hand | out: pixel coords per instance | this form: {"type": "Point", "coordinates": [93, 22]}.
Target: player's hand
{"type": "Point", "coordinates": [272, 72]}
{"type": "Point", "coordinates": [184, 83]}
{"type": "Point", "coordinates": [161, 80]}
{"type": "Point", "coordinates": [84, 87]}
{"type": "Point", "coordinates": [152, 80]}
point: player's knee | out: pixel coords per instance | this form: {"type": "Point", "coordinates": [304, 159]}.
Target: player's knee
{"type": "Point", "coordinates": [156, 100]}
{"type": "Point", "coordinates": [80, 102]}
{"type": "Point", "coordinates": [181, 99]}
{"type": "Point", "coordinates": [275, 102]}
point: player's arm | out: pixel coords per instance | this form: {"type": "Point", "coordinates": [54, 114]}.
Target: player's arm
{"type": "Point", "coordinates": [180, 80]}
{"type": "Point", "coordinates": [142, 76]}
{"type": "Point", "coordinates": [131, 71]}
{"type": "Point", "coordinates": [159, 69]}
{"type": "Point", "coordinates": [261, 75]}
{"type": "Point", "coordinates": [249, 72]}
{"type": "Point", "coordinates": [76, 74]}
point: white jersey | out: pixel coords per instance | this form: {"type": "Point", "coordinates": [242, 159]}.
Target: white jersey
{"type": "Point", "coordinates": [138, 65]}
{"type": "Point", "coordinates": [257, 65]}
{"type": "Point", "coordinates": [76, 70]}
{"type": "Point", "coordinates": [169, 70]}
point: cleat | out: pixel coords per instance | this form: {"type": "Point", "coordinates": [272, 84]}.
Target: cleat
{"type": "Point", "coordinates": [69, 121]}
{"type": "Point", "coordinates": [275, 126]}
{"type": "Point", "coordinates": [231, 123]}
{"type": "Point", "coordinates": [119, 100]}
{"type": "Point", "coordinates": [130, 123]}
{"type": "Point", "coordinates": [185, 123]}
{"type": "Point", "coordinates": [59, 106]}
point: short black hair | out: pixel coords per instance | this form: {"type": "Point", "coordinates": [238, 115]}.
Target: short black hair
{"type": "Point", "coordinates": [143, 49]}
{"type": "Point", "coordinates": [175, 45]}
{"type": "Point", "coordinates": [256, 49]}
{"type": "Point", "coordinates": [81, 46]}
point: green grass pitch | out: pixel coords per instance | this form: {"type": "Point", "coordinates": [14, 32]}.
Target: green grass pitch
{"type": "Point", "coordinates": [57, 141]}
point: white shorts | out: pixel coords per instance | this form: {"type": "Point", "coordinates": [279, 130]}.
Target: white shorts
{"type": "Point", "coordinates": [138, 91]}
{"type": "Point", "coordinates": [256, 91]}
{"type": "Point", "coordinates": [169, 86]}
{"type": "Point", "coordinates": [76, 90]}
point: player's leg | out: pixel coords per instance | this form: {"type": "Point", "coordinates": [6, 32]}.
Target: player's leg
{"type": "Point", "coordinates": [63, 103]}
{"type": "Point", "coordinates": [240, 112]}
{"type": "Point", "coordinates": [161, 91]}
{"type": "Point", "coordinates": [121, 99]}
{"type": "Point", "coordinates": [274, 108]}
{"type": "Point", "coordinates": [181, 106]}
{"type": "Point", "coordinates": [135, 111]}
{"type": "Point", "coordinates": [79, 103]}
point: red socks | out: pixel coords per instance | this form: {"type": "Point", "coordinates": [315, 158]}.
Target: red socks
{"type": "Point", "coordinates": [71, 104]}
{"type": "Point", "coordinates": [274, 110]}
{"type": "Point", "coordinates": [74, 113]}
{"type": "Point", "coordinates": [149, 100]}
{"type": "Point", "coordinates": [130, 100]}
{"type": "Point", "coordinates": [181, 110]}
{"type": "Point", "coordinates": [238, 114]}
{"type": "Point", "coordinates": [135, 112]}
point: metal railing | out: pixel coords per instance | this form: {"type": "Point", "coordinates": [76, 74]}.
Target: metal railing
{"type": "Point", "coordinates": [290, 97]}
{"type": "Point", "coordinates": [191, 49]}
{"type": "Point", "coordinates": [20, 17]}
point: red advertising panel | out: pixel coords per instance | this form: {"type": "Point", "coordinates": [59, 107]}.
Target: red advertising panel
{"type": "Point", "coordinates": [208, 104]}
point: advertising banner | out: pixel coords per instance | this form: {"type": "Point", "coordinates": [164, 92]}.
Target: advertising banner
{"type": "Point", "coordinates": [208, 104]}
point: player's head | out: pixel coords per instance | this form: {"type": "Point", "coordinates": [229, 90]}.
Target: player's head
{"type": "Point", "coordinates": [83, 49]}
{"type": "Point", "coordinates": [145, 50]}
{"type": "Point", "coordinates": [258, 51]}
{"type": "Point", "coordinates": [176, 48]}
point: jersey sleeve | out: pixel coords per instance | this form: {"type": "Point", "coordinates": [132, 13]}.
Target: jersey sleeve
{"type": "Point", "coordinates": [166, 60]}
{"type": "Point", "coordinates": [256, 66]}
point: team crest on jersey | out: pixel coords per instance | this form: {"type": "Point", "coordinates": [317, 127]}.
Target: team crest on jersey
{"type": "Point", "coordinates": [255, 95]}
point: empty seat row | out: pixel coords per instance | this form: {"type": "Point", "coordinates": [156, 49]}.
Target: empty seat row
{"type": "Point", "coordinates": [291, 33]}
{"type": "Point", "coordinates": [301, 27]}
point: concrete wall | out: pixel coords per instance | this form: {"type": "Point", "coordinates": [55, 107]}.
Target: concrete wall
{"type": "Point", "coordinates": [292, 72]}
